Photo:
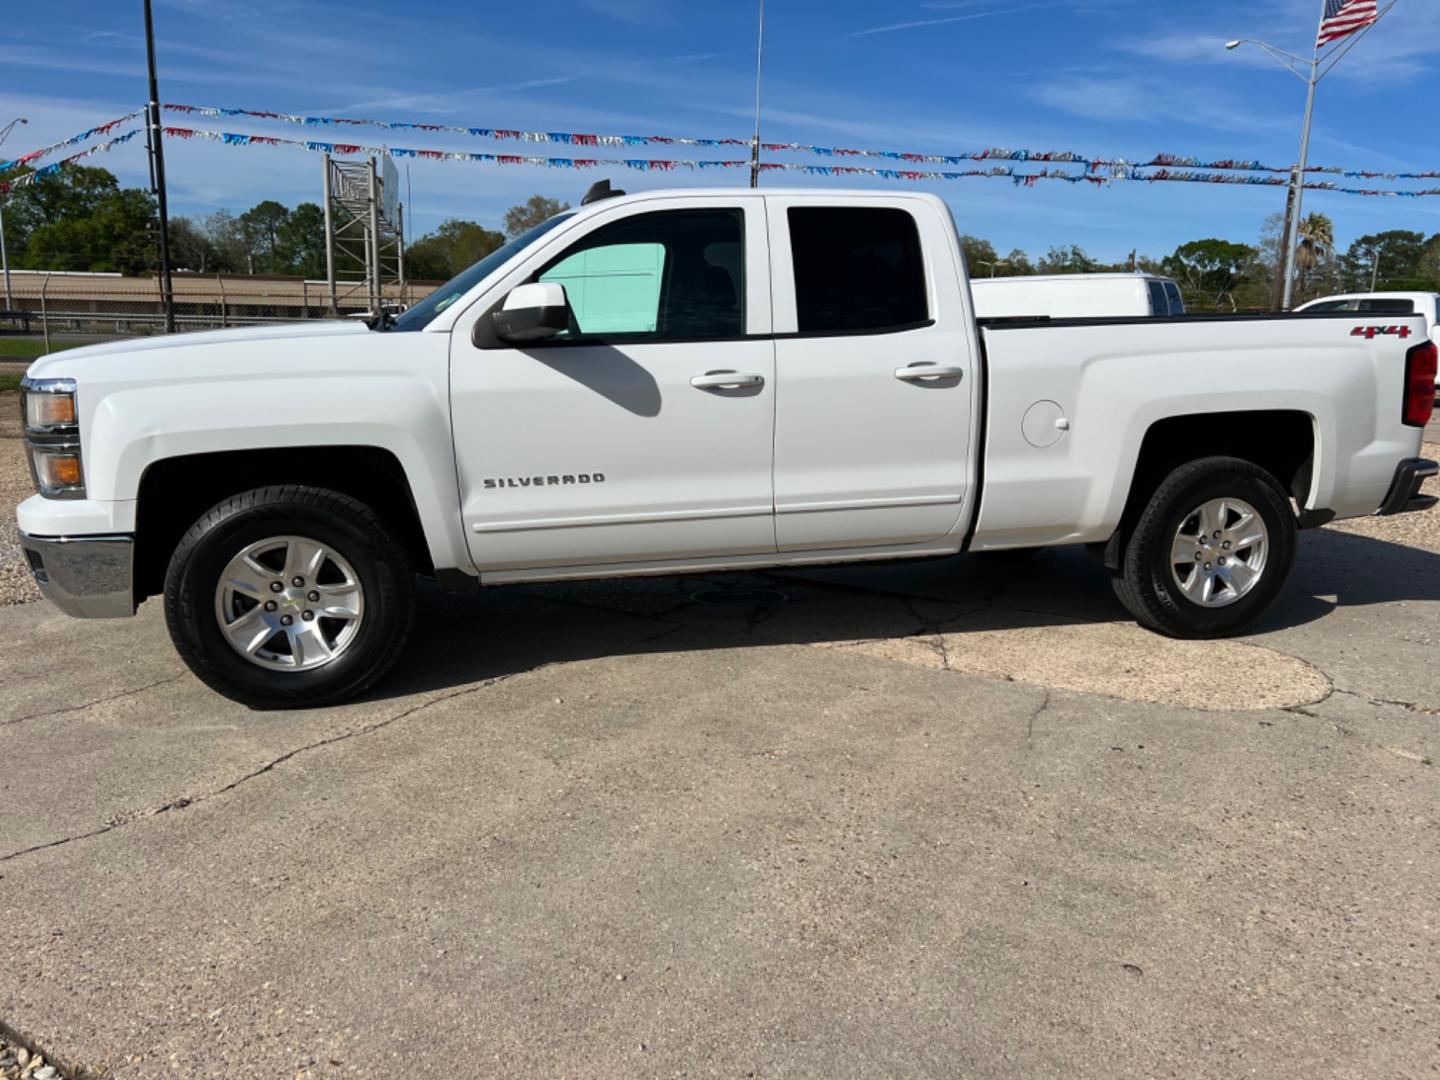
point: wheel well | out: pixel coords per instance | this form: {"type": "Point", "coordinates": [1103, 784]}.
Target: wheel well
{"type": "Point", "coordinates": [175, 492]}
{"type": "Point", "coordinates": [1279, 441]}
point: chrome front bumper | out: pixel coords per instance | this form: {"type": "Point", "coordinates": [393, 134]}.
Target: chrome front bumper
{"type": "Point", "coordinates": [1404, 496]}
{"type": "Point", "coordinates": [90, 577]}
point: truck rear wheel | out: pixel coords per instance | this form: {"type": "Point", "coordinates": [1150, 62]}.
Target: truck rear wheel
{"type": "Point", "coordinates": [289, 597]}
{"type": "Point", "coordinates": [1211, 552]}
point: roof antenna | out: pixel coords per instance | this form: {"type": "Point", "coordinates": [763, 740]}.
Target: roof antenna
{"type": "Point", "coordinates": [600, 191]}
{"type": "Point", "coordinates": [759, 68]}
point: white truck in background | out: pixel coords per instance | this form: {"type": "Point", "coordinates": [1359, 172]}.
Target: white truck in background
{"type": "Point", "coordinates": [1375, 305]}
{"type": "Point", "coordinates": [684, 381]}
{"type": "Point", "coordinates": [1076, 296]}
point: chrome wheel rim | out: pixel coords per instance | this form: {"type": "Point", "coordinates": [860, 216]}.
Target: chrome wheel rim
{"type": "Point", "coordinates": [289, 603]}
{"type": "Point", "coordinates": [1219, 552]}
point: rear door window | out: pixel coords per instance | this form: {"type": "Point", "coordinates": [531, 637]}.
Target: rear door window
{"type": "Point", "coordinates": [1177, 302]}
{"type": "Point", "coordinates": [1328, 306]}
{"type": "Point", "coordinates": [857, 270]}
{"type": "Point", "coordinates": [1159, 305]}
{"type": "Point", "coordinates": [1388, 306]}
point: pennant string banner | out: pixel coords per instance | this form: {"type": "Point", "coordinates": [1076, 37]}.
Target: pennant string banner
{"type": "Point", "coordinates": [74, 140]}
{"type": "Point", "coordinates": [1096, 164]}
{"type": "Point", "coordinates": [1028, 179]}
{"type": "Point", "coordinates": [1096, 173]}
{"type": "Point", "coordinates": [6, 186]}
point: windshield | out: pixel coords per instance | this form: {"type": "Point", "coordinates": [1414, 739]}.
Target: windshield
{"type": "Point", "coordinates": [419, 316]}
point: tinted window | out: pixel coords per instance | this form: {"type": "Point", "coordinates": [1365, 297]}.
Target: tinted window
{"type": "Point", "coordinates": [856, 269]}
{"type": "Point", "coordinates": [671, 275]}
{"type": "Point", "coordinates": [1177, 304]}
{"type": "Point", "coordinates": [1388, 307]}
{"type": "Point", "coordinates": [1328, 305]}
{"type": "Point", "coordinates": [1158, 304]}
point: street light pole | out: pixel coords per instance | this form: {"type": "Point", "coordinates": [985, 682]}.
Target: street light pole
{"type": "Point", "coordinates": [759, 69]}
{"type": "Point", "coordinates": [1309, 72]}
{"type": "Point", "coordinates": [4, 258]}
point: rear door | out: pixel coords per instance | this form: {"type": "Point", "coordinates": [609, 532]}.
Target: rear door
{"type": "Point", "coordinates": [874, 363]}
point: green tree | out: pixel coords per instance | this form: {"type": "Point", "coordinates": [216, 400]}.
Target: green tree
{"type": "Point", "coordinates": [222, 230]}
{"type": "Point", "coordinates": [532, 212]}
{"type": "Point", "coordinates": [260, 226]}
{"type": "Point", "coordinates": [1392, 256]}
{"type": "Point", "coordinates": [980, 256]}
{"type": "Point", "coordinates": [300, 242]}
{"type": "Point", "coordinates": [113, 236]}
{"type": "Point", "coordinates": [1016, 264]}
{"type": "Point", "coordinates": [190, 247]}
{"type": "Point", "coordinates": [1427, 268]}
{"type": "Point", "coordinates": [451, 248]}
{"type": "Point", "coordinates": [74, 192]}
{"type": "Point", "coordinates": [1209, 270]}
{"type": "Point", "coordinates": [1067, 260]}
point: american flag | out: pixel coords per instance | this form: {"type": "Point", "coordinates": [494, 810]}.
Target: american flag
{"type": "Point", "coordinates": [1344, 17]}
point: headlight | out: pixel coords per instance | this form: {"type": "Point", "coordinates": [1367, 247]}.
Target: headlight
{"type": "Point", "coordinates": [52, 437]}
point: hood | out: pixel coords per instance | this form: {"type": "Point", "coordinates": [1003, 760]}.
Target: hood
{"type": "Point", "coordinates": [51, 365]}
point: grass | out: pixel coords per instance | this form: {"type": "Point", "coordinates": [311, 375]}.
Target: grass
{"type": "Point", "coordinates": [9, 382]}
{"type": "Point", "coordinates": [31, 348]}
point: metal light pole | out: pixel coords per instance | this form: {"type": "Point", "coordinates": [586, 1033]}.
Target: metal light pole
{"type": "Point", "coordinates": [1309, 72]}
{"type": "Point", "coordinates": [759, 69]}
{"type": "Point", "coordinates": [4, 258]}
{"type": "Point", "coordinates": [157, 161]}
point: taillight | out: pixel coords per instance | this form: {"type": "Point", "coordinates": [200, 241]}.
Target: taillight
{"type": "Point", "coordinates": [1420, 364]}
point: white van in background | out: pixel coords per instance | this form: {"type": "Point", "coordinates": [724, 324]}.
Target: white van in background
{"type": "Point", "coordinates": [1076, 296]}
{"type": "Point", "coordinates": [1383, 303]}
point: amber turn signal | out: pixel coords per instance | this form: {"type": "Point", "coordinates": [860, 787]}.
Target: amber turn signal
{"type": "Point", "coordinates": [57, 472]}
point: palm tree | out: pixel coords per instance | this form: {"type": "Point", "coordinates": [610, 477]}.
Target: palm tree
{"type": "Point", "coordinates": [1315, 249]}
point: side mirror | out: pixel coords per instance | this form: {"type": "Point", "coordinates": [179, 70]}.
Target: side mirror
{"type": "Point", "coordinates": [533, 313]}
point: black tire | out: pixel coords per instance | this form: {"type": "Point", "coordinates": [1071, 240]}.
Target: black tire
{"type": "Point", "coordinates": [1146, 585]}
{"type": "Point", "coordinates": [349, 528]}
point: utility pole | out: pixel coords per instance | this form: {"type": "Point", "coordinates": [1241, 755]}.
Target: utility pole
{"type": "Point", "coordinates": [759, 70]}
{"type": "Point", "coordinates": [4, 258]}
{"type": "Point", "coordinates": [1375, 270]}
{"type": "Point", "coordinates": [157, 165]}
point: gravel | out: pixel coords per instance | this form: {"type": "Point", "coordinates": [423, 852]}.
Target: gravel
{"type": "Point", "coordinates": [17, 586]}
{"type": "Point", "coordinates": [17, 1063]}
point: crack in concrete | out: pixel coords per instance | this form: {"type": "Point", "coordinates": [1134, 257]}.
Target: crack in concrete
{"type": "Point", "coordinates": [98, 701]}
{"type": "Point", "coordinates": [119, 821]}
{"type": "Point", "coordinates": [1410, 706]}
{"type": "Point", "coordinates": [1035, 715]}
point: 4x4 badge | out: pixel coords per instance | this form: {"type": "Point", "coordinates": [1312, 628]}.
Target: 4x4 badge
{"type": "Point", "coordinates": [1370, 333]}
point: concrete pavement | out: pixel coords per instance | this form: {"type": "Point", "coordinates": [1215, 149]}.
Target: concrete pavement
{"type": "Point", "coordinates": [951, 818]}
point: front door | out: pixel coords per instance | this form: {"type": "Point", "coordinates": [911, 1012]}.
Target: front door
{"type": "Point", "coordinates": [873, 427]}
{"type": "Point", "coordinates": [645, 432]}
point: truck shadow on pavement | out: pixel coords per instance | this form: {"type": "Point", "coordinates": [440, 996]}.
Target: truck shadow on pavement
{"type": "Point", "coordinates": [461, 639]}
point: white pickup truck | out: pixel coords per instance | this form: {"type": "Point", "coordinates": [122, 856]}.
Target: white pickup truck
{"type": "Point", "coordinates": [691, 381]}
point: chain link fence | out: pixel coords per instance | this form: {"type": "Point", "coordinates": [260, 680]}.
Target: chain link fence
{"type": "Point", "coordinates": [48, 312]}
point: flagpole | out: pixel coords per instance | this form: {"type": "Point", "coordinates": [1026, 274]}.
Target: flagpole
{"type": "Point", "coordinates": [1292, 238]}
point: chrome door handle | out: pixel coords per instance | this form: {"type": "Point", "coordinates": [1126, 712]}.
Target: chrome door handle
{"type": "Point", "coordinates": [726, 380]}
{"type": "Point", "coordinates": [928, 373]}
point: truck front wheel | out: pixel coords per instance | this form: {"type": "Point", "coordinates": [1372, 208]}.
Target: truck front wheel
{"type": "Point", "coordinates": [1211, 552]}
{"type": "Point", "coordinates": [288, 597]}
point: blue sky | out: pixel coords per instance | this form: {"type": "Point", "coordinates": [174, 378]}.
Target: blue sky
{"type": "Point", "coordinates": [1104, 77]}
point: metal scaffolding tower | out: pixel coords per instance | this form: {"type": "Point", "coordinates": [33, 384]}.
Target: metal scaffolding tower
{"type": "Point", "coordinates": [364, 233]}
